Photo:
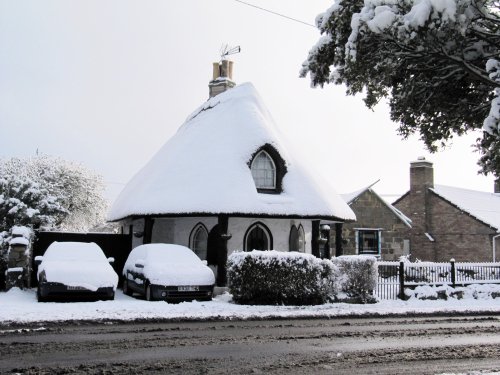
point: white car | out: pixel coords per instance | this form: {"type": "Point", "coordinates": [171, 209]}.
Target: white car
{"type": "Point", "coordinates": [75, 270]}
{"type": "Point", "coordinates": [167, 272]}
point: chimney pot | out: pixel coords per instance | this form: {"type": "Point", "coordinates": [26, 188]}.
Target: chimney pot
{"type": "Point", "coordinates": [216, 70]}
{"type": "Point", "coordinates": [230, 70]}
{"type": "Point", "coordinates": [224, 68]}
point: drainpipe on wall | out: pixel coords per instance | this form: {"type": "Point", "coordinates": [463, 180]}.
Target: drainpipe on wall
{"type": "Point", "coordinates": [494, 246]}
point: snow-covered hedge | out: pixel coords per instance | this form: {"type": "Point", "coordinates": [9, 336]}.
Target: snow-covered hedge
{"type": "Point", "coordinates": [359, 274]}
{"type": "Point", "coordinates": [273, 277]}
{"type": "Point", "coordinates": [444, 292]}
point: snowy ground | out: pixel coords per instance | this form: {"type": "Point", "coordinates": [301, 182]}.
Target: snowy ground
{"type": "Point", "coordinates": [21, 306]}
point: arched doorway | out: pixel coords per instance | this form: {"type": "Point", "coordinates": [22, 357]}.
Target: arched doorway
{"type": "Point", "coordinates": [217, 251]}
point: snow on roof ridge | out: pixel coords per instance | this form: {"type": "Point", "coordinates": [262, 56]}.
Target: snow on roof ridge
{"type": "Point", "coordinates": [466, 189]}
{"type": "Point", "coordinates": [232, 93]}
{"type": "Point", "coordinates": [349, 197]}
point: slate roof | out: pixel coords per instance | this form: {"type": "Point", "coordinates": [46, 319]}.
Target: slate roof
{"type": "Point", "coordinates": [481, 205]}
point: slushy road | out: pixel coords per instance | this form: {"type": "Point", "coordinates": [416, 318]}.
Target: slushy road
{"type": "Point", "coordinates": [413, 345]}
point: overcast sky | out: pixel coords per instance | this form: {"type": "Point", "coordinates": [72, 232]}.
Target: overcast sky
{"type": "Point", "coordinates": [106, 83]}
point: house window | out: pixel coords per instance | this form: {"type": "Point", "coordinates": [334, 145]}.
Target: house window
{"type": "Point", "coordinates": [264, 171]}
{"type": "Point", "coordinates": [199, 240]}
{"type": "Point", "coordinates": [297, 239]}
{"type": "Point", "coordinates": [258, 237]}
{"type": "Point", "coordinates": [368, 241]}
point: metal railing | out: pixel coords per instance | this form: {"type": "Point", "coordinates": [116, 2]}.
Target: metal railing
{"type": "Point", "coordinates": [394, 277]}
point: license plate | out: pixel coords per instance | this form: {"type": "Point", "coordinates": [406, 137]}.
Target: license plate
{"type": "Point", "coordinates": [187, 288]}
{"type": "Point", "coordinates": [76, 288]}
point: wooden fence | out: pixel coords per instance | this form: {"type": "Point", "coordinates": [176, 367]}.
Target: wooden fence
{"type": "Point", "coordinates": [394, 277]}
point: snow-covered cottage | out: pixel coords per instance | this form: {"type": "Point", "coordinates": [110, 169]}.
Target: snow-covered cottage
{"type": "Point", "coordinates": [450, 222]}
{"type": "Point", "coordinates": [226, 181]}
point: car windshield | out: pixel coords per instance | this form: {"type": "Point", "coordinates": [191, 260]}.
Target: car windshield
{"type": "Point", "coordinates": [170, 254]}
{"type": "Point", "coordinates": [70, 251]}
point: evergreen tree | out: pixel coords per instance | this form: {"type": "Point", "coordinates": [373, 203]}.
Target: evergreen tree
{"type": "Point", "coordinates": [436, 61]}
{"type": "Point", "coordinates": [49, 193]}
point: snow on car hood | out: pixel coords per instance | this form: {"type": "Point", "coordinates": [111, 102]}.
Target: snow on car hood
{"type": "Point", "coordinates": [88, 274]}
{"type": "Point", "coordinates": [179, 274]}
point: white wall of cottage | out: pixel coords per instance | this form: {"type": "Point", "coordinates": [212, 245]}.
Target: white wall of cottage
{"type": "Point", "coordinates": [178, 230]}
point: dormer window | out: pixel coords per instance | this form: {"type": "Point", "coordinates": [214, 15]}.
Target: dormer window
{"type": "Point", "coordinates": [264, 171]}
{"type": "Point", "coordinates": [268, 169]}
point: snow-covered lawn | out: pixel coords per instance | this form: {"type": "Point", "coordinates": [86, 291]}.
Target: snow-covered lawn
{"type": "Point", "coordinates": [21, 306]}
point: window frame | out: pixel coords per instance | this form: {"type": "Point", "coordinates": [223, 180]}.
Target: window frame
{"type": "Point", "coordinates": [358, 237]}
{"type": "Point", "coordinates": [273, 166]}
{"type": "Point", "coordinates": [290, 239]}
{"type": "Point", "coordinates": [302, 235]}
{"type": "Point", "coordinates": [192, 237]}
{"type": "Point", "coordinates": [280, 169]}
{"type": "Point", "coordinates": [301, 239]}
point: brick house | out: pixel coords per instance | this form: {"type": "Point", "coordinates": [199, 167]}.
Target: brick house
{"type": "Point", "coordinates": [380, 228]}
{"type": "Point", "coordinates": [449, 222]}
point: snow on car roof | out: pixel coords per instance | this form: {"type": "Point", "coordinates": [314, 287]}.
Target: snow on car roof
{"type": "Point", "coordinates": [82, 251]}
{"type": "Point", "coordinates": [170, 253]}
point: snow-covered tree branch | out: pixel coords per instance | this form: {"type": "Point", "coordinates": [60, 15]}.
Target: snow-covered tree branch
{"type": "Point", "coordinates": [437, 62]}
{"type": "Point", "coordinates": [49, 193]}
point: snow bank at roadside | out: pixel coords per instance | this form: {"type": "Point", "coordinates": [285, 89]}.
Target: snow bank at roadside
{"type": "Point", "coordinates": [20, 306]}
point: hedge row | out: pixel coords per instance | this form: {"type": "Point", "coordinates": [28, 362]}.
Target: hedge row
{"type": "Point", "coordinates": [291, 278]}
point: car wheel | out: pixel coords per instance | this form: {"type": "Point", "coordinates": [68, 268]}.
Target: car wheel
{"type": "Point", "coordinates": [39, 296]}
{"type": "Point", "coordinates": [149, 294]}
{"type": "Point", "coordinates": [126, 289]}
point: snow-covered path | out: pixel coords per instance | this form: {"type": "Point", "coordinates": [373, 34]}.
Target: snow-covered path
{"type": "Point", "coordinates": [17, 306]}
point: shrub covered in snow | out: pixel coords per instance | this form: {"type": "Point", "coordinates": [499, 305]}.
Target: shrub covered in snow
{"type": "Point", "coordinates": [16, 235]}
{"type": "Point", "coordinates": [273, 277]}
{"type": "Point", "coordinates": [359, 277]}
{"type": "Point", "coordinates": [444, 292]}
{"type": "Point", "coordinates": [47, 193]}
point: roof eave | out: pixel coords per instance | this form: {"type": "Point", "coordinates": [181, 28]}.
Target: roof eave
{"type": "Point", "coordinates": [234, 214]}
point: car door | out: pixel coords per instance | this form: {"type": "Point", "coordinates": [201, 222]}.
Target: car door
{"type": "Point", "coordinates": [135, 275]}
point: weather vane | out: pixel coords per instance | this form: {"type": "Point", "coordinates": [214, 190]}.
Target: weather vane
{"type": "Point", "coordinates": [225, 50]}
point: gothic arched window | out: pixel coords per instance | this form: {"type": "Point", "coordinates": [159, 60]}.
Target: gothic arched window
{"type": "Point", "coordinates": [297, 239]}
{"type": "Point", "coordinates": [264, 171]}
{"type": "Point", "coordinates": [199, 240]}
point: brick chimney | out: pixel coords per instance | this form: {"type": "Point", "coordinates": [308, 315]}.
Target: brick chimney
{"type": "Point", "coordinates": [497, 186]}
{"type": "Point", "coordinates": [222, 78]}
{"type": "Point", "coordinates": [421, 175]}
{"type": "Point", "coordinates": [421, 179]}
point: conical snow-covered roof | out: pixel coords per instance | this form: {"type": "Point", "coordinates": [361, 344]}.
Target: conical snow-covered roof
{"type": "Point", "coordinates": [204, 169]}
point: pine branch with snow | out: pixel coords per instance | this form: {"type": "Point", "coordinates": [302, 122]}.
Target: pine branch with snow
{"type": "Point", "coordinates": [436, 61]}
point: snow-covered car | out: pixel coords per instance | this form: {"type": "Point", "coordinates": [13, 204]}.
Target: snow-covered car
{"type": "Point", "coordinates": [167, 272]}
{"type": "Point", "coordinates": [71, 270]}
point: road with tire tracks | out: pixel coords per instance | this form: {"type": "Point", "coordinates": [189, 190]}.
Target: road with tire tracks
{"type": "Point", "coordinates": [412, 345]}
